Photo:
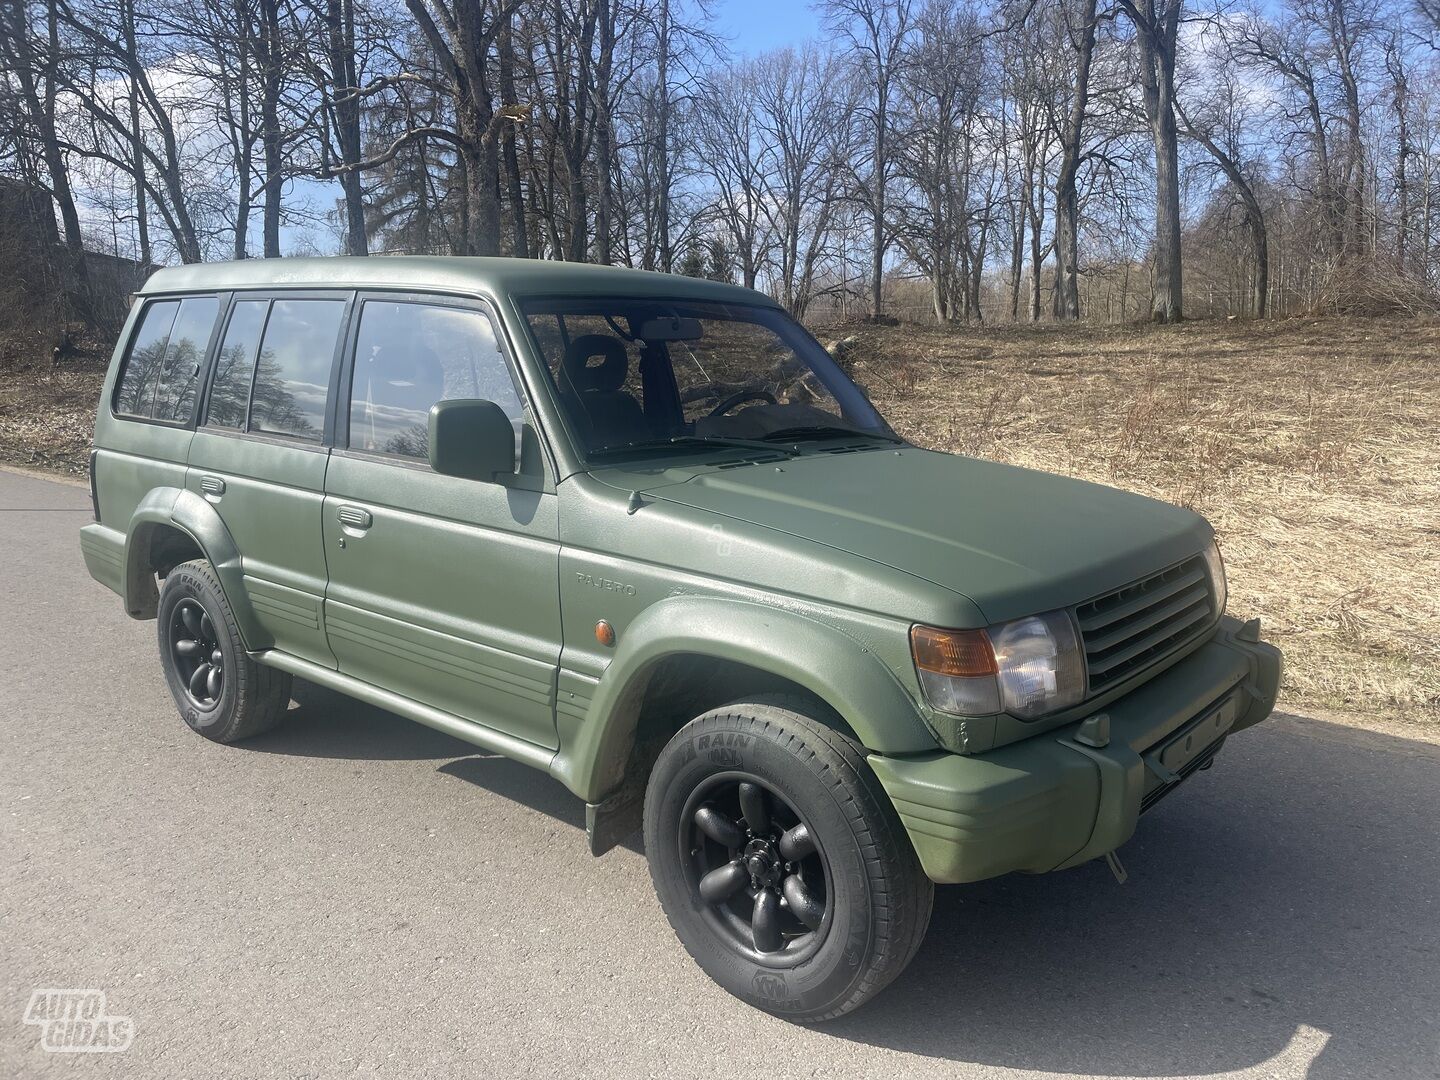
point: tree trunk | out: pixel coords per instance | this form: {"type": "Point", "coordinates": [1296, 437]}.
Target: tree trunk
{"type": "Point", "coordinates": [509, 155]}
{"type": "Point", "coordinates": [1067, 204]}
{"type": "Point", "coordinates": [28, 67]}
{"type": "Point", "coordinates": [662, 142]}
{"type": "Point", "coordinates": [877, 208]}
{"type": "Point", "coordinates": [270, 49]}
{"type": "Point", "coordinates": [1155, 34]}
{"type": "Point", "coordinates": [340, 20]}
{"type": "Point", "coordinates": [1254, 215]}
{"type": "Point", "coordinates": [137, 143]}
{"type": "Point", "coordinates": [604, 134]}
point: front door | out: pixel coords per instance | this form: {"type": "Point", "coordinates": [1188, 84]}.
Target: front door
{"type": "Point", "coordinates": [441, 589]}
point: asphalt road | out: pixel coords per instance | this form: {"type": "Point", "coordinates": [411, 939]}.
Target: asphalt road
{"type": "Point", "coordinates": [353, 894]}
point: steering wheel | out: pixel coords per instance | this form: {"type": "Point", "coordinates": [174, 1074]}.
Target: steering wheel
{"type": "Point", "coordinates": [739, 398]}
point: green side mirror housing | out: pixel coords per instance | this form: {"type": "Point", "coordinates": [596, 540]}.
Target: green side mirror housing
{"type": "Point", "coordinates": [471, 438]}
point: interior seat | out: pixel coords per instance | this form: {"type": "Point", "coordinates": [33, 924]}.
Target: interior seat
{"type": "Point", "coordinates": [611, 413]}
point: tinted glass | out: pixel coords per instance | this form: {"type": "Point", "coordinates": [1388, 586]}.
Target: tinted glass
{"type": "Point", "coordinates": [135, 395]}
{"type": "Point", "coordinates": [292, 375]}
{"type": "Point", "coordinates": [408, 357]}
{"type": "Point", "coordinates": [180, 370]}
{"type": "Point", "coordinates": [235, 364]}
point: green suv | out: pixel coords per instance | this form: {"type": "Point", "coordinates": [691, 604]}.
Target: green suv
{"type": "Point", "coordinates": [642, 532]}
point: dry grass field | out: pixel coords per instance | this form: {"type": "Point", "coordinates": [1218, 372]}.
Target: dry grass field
{"type": "Point", "coordinates": [1313, 446]}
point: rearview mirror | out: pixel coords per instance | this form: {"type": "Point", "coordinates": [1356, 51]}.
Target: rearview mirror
{"type": "Point", "coordinates": [471, 438]}
{"type": "Point", "coordinates": [670, 328]}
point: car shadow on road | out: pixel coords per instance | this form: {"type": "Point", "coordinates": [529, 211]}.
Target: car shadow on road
{"type": "Point", "coordinates": [1261, 921]}
{"type": "Point", "coordinates": [1281, 909]}
{"type": "Point", "coordinates": [325, 724]}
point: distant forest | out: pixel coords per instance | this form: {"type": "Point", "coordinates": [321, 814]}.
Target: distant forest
{"type": "Point", "coordinates": [1019, 160]}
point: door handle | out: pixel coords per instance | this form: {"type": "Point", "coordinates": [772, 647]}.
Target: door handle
{"type": "Point", "coordinates": [353, 517]}
{"type": "Point", "coordinates": [212, 487]}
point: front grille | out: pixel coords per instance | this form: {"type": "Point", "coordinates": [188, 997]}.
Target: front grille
{"type": "Point", "coordinates": [1131, 628]}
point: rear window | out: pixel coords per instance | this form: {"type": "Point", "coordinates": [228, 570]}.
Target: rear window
{"type": "Point", "coordinates": [161, 372]}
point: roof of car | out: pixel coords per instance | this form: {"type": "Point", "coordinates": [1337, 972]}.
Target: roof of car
{"type": "Point", "coordinates": [447, 273]}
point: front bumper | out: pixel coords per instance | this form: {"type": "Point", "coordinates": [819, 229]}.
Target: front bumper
{"type": "Point", "coordinates": [1053, 801]}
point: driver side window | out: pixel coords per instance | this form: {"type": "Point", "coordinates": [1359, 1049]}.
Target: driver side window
{"type": "Point", "coordinates": [410, 355]}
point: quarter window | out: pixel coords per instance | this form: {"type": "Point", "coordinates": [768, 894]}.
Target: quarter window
{"type": "Point", "coordinates": [179, 373]}
{"type": "Point", "coordinates": [408, 356]}
{"type": "Point", "coordinates": [162, 369]}
{"type": "Point", "coordinates": [136, 394]}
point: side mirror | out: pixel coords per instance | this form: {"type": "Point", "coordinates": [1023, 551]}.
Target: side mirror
{"type": "Point", "coordinates": [471, 438]}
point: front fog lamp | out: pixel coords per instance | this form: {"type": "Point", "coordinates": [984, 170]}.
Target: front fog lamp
{"type": "Point", "coordinates": [1027, 668]}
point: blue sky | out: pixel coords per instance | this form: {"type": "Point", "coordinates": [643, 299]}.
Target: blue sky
{"type": "Point", "coordinates": [756, 25]}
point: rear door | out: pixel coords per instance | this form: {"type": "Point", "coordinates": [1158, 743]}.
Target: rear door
{"type": "Point", "coordinates": [143, 436]}
{"type": "Point", "coordinates": [441, 589]}
{"type": "Point", "coordinates": [260, 455]}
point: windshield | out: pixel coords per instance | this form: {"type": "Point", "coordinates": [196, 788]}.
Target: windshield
{"type": "Point", "coordinates": [634, 375]}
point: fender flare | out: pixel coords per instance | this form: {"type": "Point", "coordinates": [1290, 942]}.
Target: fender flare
{"type": "Point", "coordinates": [176, 508]}
{"type": "Point", "coordinates": [827, 661]}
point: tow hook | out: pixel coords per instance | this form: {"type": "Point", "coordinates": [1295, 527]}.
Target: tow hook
{"type": "Point", "coordinates": [1112, 860]}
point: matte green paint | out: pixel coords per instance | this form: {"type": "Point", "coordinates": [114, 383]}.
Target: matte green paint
{"type": "Point", "coordinates": [471, 606]}
{"type": "Point", "coordinates": [1051, 802]}
{"type": "Point", "coordinates": [471, 439]}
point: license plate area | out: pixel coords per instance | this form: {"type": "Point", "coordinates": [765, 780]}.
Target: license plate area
{"type": "Point", "coordinates": [1188, 749]}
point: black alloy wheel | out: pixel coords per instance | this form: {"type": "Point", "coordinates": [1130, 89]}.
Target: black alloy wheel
{"type": "Point", "coordinates": [757, 867]}
{"type": "Point", "coordinates": [196, 653]}
{"type": "Point", "coordinates": [222, 692]}
{"type": "Point", "coordinates": [780, 861]}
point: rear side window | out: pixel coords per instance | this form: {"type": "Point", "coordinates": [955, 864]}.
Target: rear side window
{"type": "Point", "coordinates": [160, 373]}
{"type": "Point", "coordinates": [408, 356]}
{"type": "Point", "coordinates": [235, 364]}
{"type": "Point", "coordinates": [292, 374]}
{"type": "Point", "coordinates": [272, 372]}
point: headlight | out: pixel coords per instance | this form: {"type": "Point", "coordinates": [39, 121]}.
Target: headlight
{"type": "Point", "coordinates": [1027, 668]}
{"type": "Point", "coordinates": [1215, 568]}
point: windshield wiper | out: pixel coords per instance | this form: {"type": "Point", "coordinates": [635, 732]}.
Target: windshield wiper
{"type": "Point", "coordinates": [719, 442]}
{"type": "Point", "coordinates": [828, 431]}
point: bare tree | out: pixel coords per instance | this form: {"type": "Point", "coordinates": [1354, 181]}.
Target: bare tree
{"type": "Point", "coordinates": [1157, 26]}
{"type": "Point", "coordinates": [877, 33]}
{"type": "Point", "coordinates": [1079, 25]}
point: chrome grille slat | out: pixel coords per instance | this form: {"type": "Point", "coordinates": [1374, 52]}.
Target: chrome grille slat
{"type": "Point", "coordinates": [1143, 622]}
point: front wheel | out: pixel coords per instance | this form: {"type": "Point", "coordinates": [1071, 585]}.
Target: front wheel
{"type": "Point", "coordinates": [780, 862]}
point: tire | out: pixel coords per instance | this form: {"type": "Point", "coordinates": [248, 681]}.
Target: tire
{"type": "Point", "coordinates": [197, 635]}
{"type": "Point", "coordinates": [862, 905]}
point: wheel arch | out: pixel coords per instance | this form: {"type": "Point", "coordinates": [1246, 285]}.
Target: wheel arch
{"type": "Point", "coordinates": [692, 653]}
{"type": "Point", "coordinates": [171, 526]}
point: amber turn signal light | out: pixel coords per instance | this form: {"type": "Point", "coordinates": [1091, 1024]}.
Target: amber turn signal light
{"type": "Point", "coordinates": [964, 654]}
{"type": "Point", "coordinates": [604, 633]}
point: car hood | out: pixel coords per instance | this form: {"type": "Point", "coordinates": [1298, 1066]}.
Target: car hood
{"type": "Point", "coordinates": [1013, 541]}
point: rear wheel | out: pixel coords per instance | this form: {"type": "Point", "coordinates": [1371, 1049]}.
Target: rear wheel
{"type": "Point", "coordinates": [780, 862]}
{"type": "Point", "coordinates": [220, 692]}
